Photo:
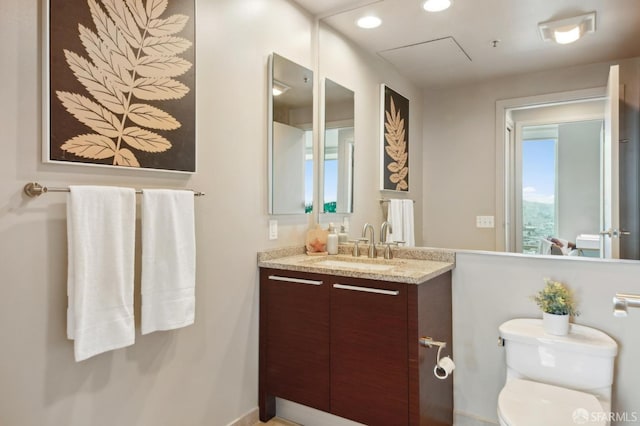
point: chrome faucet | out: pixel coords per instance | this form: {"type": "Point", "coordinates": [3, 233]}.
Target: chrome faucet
{"type": "Point", "coordinates": [372, 239]}
{"type": "Point", "coordinates": [383, 231]}
{"type": "Point", "coordinates": [383, 239]}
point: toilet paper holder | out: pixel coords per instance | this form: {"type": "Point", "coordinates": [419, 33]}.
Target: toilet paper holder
{"type": "Point", "coordinates": [444, 366]}
{"type": "Point", "coordinates": [428, 342]}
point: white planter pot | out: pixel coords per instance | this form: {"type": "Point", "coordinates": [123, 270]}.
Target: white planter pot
{"type": "Point", "coordinates": [555, 324]}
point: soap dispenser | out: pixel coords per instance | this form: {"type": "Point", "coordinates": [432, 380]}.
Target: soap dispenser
{"type": "Point", "coordinates": [343, 237]}
{"type": "Point", "coordinates": [332, 240]}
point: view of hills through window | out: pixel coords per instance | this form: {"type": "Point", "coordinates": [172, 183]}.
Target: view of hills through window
{"type": "Point", "coordinates": [538, 192]}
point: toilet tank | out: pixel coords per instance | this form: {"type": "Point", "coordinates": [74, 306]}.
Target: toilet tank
{"type": "Point", "coordinates": [582, 360]}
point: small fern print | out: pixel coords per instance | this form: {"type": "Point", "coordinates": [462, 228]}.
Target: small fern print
{"type": "Point", "coordinates": [130, 58]}
{"type": "Point", "coordinates": [396, 148]}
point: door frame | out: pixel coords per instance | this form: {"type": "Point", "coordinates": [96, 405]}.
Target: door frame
{"type": "Point", "coordinates": [502, 147]}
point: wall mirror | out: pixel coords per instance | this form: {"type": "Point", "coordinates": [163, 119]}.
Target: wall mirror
{"type": "Point", "coordinates": [417, 67]}
{"type": "Point", "coordinates": [290, 137]}
{"type": "Point", "coordinates": [567, 179]}
{"type": "Point", "coordinates": [338, 141]}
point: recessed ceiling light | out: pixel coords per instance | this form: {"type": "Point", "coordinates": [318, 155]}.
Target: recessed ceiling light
{"type": "Point", "coordinates": [436, 5]}
{"type": "Point", "coordinates": [369, 22]}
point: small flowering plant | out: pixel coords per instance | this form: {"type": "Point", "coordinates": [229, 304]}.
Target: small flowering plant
{"type": "Point", "coordinates": [555, 298]}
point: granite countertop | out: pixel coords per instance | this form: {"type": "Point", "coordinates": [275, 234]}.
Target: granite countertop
{"type": "Point", "coordinates": [409, 265]}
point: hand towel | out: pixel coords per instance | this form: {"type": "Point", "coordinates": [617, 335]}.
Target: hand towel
{"type": "Point", "coordinates": [407, 223]}
{"type": "Point", "coordinates": [168, 259]}
{"type": "Point", "coordinates": [394, 217]}
{"type": "Point", "coordinates": [400, 215]}
{"type": "Point", "coordinates": [101, 240]}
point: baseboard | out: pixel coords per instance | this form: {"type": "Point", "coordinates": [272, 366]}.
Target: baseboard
{"type": "Point", "coordinates": [250, 418]}
{"type": "Point", "coordinates": [468, 419]}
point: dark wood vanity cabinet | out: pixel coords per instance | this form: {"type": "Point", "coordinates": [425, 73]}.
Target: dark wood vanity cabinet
{"type": "Point", "coordinates": [349, 346]}
{"type": "Point", "coordinates": [369, 362]}
{"type": "Point", "coordinates": [294, 340]}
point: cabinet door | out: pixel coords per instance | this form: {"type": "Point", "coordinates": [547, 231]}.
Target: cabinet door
{"type": "Point", "coordinates": [294, 340]}
{"type": "Point", "coordinates": [369, 363]}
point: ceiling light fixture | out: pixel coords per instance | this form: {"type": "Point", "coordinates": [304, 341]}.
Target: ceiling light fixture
{"type": "Point", "coordinates": [279, 88]}
{"type": "Point", "coordinates": [368, 22]}
{"type": "Point", "coordinates": [436, 5]}
{"type": "Point", "coordinates": [565, 31]}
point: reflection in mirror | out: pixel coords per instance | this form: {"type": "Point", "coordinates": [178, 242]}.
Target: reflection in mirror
{"type": "Point", "coordinates": [338, 147]}
{"type": "Point", "coordinates": [559, 178]}
{"type": "Point", "coordinates": [558, 186]}
{"type": "Point", "coordinates": [290, 137]}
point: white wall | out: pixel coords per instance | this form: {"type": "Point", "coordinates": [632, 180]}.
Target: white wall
{"type": "Point", "coordinates": [205, 374]}
{"type": "Point", "coordinates": [496, 287]}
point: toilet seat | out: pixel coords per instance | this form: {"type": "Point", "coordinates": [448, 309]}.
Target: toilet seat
{"type": "Point", "coordinates": [527, 403]}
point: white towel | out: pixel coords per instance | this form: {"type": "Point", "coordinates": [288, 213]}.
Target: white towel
{"type": "Point", "coordinates": [407, 223]}
{"type": "Point", "coordinates": [101, 241]}
{"type": "Point", "coordinates": [400, 215]}
{"type": "Point", "coordinates": [544, 246]}
{"type": "Point", "coordinates": [394, 217]}
{"type": "Point", "coordinates": [168, 259]}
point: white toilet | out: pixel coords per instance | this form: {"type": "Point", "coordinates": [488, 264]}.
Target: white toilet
{"type": "Point", "coordinates": [555, 380]}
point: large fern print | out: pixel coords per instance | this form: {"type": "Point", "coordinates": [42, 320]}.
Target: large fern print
{"type": "Point", "coordinates": [396, 147]}
{"type": "Point", "coordinates": [131, 59]}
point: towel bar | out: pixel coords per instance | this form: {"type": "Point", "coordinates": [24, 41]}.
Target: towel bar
{"type": "Point", "coordinates": [34, 189]}
{"type": "Point", "coordinates": [623, 301]}
{"type": "Point", "coordinates": [385, 200]}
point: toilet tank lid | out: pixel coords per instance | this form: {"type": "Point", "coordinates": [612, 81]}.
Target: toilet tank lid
{"type": "Point", "coordinates": [580, 338]}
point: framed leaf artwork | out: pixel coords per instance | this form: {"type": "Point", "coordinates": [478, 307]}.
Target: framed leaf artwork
{"type": "Point", "coordinates": [394, 140]}
{"type": "Point", "coordinates": [119, 86]}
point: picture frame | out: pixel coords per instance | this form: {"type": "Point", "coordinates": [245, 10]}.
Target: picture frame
{"type": "Point", "coordinates": [394, 140]}
{"type": "Point", "coordinates": [119, 84]}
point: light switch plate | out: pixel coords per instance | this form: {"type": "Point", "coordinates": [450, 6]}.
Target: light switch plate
{"type": "Point", "coordinates": [273, 229]}
{"type": "Point", "coordinates": [485, 222]}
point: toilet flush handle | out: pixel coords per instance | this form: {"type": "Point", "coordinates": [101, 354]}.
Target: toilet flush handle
{"type": "Point", "coordinates": [500, 341]}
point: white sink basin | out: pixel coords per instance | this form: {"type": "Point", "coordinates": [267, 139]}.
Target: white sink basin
{"type": "Point", "coordinates": [360, 266]}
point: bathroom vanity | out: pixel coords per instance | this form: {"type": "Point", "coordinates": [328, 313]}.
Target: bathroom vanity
{"type": "Point", "coordinates": [341, 334]}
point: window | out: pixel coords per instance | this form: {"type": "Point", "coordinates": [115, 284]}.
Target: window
{"type": "Point", "coordinates": [539, 165]}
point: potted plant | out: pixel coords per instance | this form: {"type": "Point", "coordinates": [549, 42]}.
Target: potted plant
{"type": "Point", "coordinates": [557, 305]}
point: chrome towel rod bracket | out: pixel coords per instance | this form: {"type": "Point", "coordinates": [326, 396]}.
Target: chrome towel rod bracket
{"type": "Point", "coordinates": [622, 301]}
{"type": "Point", "coordinates": [386, 200]}
{"type": "Point", "coordinates": [34, 189]}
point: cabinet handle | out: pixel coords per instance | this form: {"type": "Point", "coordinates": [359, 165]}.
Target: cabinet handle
{"type": "Point", "coordinates": [367, 289]}
{"type": "Point", "coordinates": [294, 280]}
